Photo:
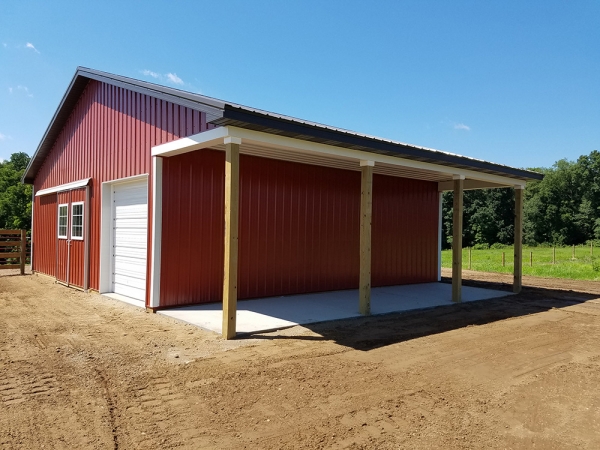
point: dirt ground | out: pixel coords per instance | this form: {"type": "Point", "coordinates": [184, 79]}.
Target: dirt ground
{"type": "Point", "coordinates": [82, 371]}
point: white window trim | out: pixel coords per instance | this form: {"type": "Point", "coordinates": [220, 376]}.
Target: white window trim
{"type": "Point", "coordinates": [77, 238]}
{"type": "Point", "coordinates": [66, 236]}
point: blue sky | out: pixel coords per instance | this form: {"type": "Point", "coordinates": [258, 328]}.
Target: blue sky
{"type": "Point", "coordinates": [512, 82]}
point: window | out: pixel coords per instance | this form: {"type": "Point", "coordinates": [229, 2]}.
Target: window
{"type": "Point", "coordinates": [63, 217]}
{"type": "Point", "coordinates": [77, 221]}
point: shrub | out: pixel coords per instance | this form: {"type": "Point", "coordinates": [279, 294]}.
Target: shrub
{"type": "Point", "coordinates": [497, 246]}
{"type": "Point", "coordinates": [481, 247]}
{"type": "Point", "coordinates": [596, 264]}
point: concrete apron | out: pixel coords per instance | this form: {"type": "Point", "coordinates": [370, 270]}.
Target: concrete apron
{"type": "Point", "coordinates": [274, 313]}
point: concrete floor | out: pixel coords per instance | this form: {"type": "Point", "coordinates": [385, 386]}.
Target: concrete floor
{"type": "Point", "coordinates": [266, 314]}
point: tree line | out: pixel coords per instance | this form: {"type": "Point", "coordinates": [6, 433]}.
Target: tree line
{"type": "Point", "coordinates": [561, 209]}
{"type": "Point", "coordinates": [15, 197]}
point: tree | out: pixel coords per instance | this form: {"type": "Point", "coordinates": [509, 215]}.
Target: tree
{"type": "Point", "coordinates": [15, 197]}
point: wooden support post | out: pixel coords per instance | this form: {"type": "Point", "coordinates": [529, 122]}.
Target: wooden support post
{"type": "Point", "coordinates": [457, 229]}
{"type": "Point", "coordinates": [366, 214]}
{"type": "Point", "coordinates": [554, 255]}
{"type": "Point", "coordinates": [518, 245]}
{"type": "Point", "coordinates": [591, 248]}
{"type": "Point", "coordinates": [503, 259]}
{"type": "Point", "coordinates": [23, 251]}
{"type": "Point", "coordinates": [573, 257]}
{"type": "Point", "coordinates": [232, 174]}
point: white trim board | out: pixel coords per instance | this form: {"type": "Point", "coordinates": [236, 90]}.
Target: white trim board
{"type": "Point", "coordinates": [105, 281]}
{"type": "Point", "coordinates": [217, 136]}
{"type": "Point", "coordinates": [63, 187]}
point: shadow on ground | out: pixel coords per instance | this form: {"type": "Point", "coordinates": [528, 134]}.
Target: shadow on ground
{"type": "Point", "coordinates": [379, 331]}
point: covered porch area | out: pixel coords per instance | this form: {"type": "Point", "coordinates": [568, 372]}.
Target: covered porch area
{"type": "Point", "coordinates": [274, 313]}
{"type": "Point", "coordinates": [351, 153]}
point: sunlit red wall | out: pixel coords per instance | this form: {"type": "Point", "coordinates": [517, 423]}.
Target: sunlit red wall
{"type": "Point", "coordinates": [108, 136]}
{"type": "Point", "coordinates": [298, 232]}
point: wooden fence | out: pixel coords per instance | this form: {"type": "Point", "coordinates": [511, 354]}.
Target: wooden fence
{"type": "Point", "coordinates": [14, 250]}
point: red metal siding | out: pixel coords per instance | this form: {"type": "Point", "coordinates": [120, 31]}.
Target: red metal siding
{"type": "Point", "coordinates": [193, 227]}
{"type": "Point", "coordinates": [108, 136]}
{"type": "Point", "coordinates": [45, 222]}
{"type": "Point", "coordinates": [62, 245]}
{"type": "Point", "coordinates": [404, 240]}
{"type": "Point", "coordinates": [76, 252]}
{"type": "Point", "coordinates": [299, 229]}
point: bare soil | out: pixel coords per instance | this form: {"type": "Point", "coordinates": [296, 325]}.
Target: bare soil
{"type": "Point", "coordinates": [82, 371]}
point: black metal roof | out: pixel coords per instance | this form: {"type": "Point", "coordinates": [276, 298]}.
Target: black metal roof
{"type": "Point", "coordinates": [224, 113]}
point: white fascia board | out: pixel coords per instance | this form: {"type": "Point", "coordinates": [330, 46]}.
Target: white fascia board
{"type": "Point", "coordinates": [63, 187]}
{"type": "Point", "coordinates": [198, 141]}
{"type": "Point", "coordinates": [217, 136]}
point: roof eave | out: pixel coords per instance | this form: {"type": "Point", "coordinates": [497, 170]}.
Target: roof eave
{"type": "Point", "coordinates": [251, 119]}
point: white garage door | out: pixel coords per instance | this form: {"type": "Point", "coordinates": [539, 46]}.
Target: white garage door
{"type": "Point", "coordinates": [130, 228]}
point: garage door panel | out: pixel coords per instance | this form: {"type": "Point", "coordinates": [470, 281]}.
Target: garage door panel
{"type": "Point", "coordinates": [129, 291]}
{"type": "Point", "coordinates": [132, 253]}
{"type": "Point", "coordinates": [130, 223]}
{"type": "Point", "coordinates": [137, 283]}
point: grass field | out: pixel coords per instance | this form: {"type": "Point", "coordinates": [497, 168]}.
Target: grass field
{"type": "Point", "coordinates": [490, 260]}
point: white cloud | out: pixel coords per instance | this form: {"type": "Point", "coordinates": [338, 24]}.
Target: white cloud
{"type": "Point", "coordinates": [20, 88]}
{"type": "Point", "coordinates": [173, 78]}
{"type": "Point", "coordinates": [150, 73]}
{"type": "Point", "coordinates": [462, 126]}
{"type": "Point", "coordinates": [32, 47]}
{"type": "Point", "coordinates": [170, 77]}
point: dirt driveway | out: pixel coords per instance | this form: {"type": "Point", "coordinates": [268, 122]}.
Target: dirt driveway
{"type": "Point", "coordinates": [81, 371]}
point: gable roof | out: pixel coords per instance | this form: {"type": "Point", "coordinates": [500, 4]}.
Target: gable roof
{"type": "Point", "coordinates": [219, 112]}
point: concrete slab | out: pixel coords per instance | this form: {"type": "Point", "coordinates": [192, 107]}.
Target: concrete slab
{"type": "Point", "coordinates": [273, 313]}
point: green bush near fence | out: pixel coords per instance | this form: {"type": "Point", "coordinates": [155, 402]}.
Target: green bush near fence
{"type": "Point", "coordinates": [583, 267]}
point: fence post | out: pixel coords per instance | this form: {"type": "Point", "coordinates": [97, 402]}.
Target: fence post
{"type": "Point", "coordinates": [503, 259]}
{"type": "Point", "coordinates": [591, 248]}
{"type": "Point", "coordinates": [530, 259]}
{"type": "Point", "coordinates": [573, 251]}
{"type": "Point", "coordinates": [23, 251]}
{"type": "Point", "coordinates": [470, 258]}
{"type": "Point", "coordinates": [554, 255]}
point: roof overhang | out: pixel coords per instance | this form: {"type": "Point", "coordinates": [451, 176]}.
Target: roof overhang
{"type": "Point", "coordinates": [275, 146]}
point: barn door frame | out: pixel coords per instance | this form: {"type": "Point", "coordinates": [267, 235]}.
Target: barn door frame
{"type": "Point", "coordinates": [69, 237]}
{"type": "Point", "coordinates": [106, 232]}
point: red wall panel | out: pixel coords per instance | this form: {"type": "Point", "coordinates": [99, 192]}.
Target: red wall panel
{"type": "Point", "coordinates": [404, 241]}
{"type": "Point", "coordinates": [298, 232]}
{"type": "Point", "coordinates": [108, 136]}
{"type": "Point", "coordinates": [193, 227]}
{"type": "Point", "coordinates": [45, 222]}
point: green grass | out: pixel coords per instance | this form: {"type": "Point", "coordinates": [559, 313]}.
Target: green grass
{"type": "Point", "coordinates": [490, 260]}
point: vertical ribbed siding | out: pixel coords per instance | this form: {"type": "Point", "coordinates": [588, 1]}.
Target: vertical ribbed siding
{"type": "Point", "coordinates": [193, 228]}
{"type": "Point", "coordinates": [405, 231]}
{"type": "Point", "coordinates": [108, 136]}
{"type": "Point", "coordinates": [299, 229]}
{"type": "Point", "coordinates": [62, 244]}
{"type": "Point", "coordinates": [44, 234]}
{"type": "Point", "coordinates": [76, 252]}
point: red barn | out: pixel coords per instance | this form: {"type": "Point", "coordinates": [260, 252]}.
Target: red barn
{"type": "Point", "coordinates": [170, 198]}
